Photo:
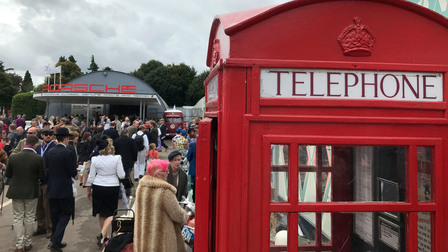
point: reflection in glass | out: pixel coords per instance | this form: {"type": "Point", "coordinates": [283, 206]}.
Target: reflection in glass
{"type": "Point", "coordinates": [307, 224]}
{"type": "Point", "coordinates": [307, 187]}
{"type": "Point", "coordinates": [279, 173]}
{"type": "Point", "coordinates": [364, 173]}
{"type": "Point", "coordinates": [278, 231]}
{"type": "Point", "coordinates": [326, 228]}
{"type": "Point", "coordinates": [369, 232]}
{"type": "Point", "coordinates": [425, 169]}
{"type": "Point", "coordinates": [424, 232]}
{"type": "Point", "coordinates": [307, 155]}
{"type": "Point", "coordinates": [326, 187]}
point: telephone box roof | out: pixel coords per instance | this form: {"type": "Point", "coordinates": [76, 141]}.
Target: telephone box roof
{"type": "Point", "coordinates": [227, 25]}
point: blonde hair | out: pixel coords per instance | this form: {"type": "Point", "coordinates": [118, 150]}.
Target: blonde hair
{"type": "Point", "coordinates": [74, 134]}
{"type": "Point", "coordinates": [109, 150]}
{"type": "Point", "coordinates": [152, 146]}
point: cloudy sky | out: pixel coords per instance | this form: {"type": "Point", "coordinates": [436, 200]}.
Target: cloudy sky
{"type": "Point", "coordinates": [120, 34]}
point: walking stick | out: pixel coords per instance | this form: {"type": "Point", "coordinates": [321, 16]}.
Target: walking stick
{"type": "Point", "coordinates": [3, 191]}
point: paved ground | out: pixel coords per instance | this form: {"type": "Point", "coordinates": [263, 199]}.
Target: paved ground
{"type": "Point", "coordinates": [80, 236]}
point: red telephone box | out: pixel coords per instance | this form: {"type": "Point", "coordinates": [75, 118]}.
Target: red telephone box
{"type": "Point", "coordinates": [325, 129]}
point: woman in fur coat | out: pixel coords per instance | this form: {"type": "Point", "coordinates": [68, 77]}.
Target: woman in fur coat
{"type": "Point", "coordinates": [158, 217]}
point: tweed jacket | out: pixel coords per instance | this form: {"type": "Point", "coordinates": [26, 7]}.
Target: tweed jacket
{"type": "Point", "coordinates": [182, 189]}
{"type": "Point", "coordinates": [158, 217]}
{"type": "Point", "coordinates": [25, 169]}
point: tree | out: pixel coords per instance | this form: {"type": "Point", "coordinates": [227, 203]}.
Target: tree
{"type": "Point", "coordinates": [27, 84]}
{"type": "Point", "coordinates": [7, 90]}
{"type": "Point", "coordinates": [71, 58]}
{"type": "Point", "coordinates": [24, 103]}
{"type": "Point", "coordinates": [107, 69]}
{"type": "Point", "coordinates": [16, 81]}
{"type": "Point", "coordinates": [196, 89]}
{"type": "Point", "coordinates": [2, 68]}
{"type": "Point", "coordinates": [160, 81]}
{"type": "Point", "coordinates": [146, 68]}
{"type": "Point", "coordinates": [170, 82]}
{"type": "Point", "coordinates": [93, 66]}
{"type": "Point", "coordinates": [181, 77]}
{"type": "Point", "coordinates": [62, 59]}
{"type": "Point", "coordinates": [69, 71]}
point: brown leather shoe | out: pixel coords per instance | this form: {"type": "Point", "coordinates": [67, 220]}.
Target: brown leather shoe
{"type": "Point", "coordinates": [28, 248]}
{"type": "Point", "coordinates": [19, 250]}
{"type": "Point", "coordinates": [40, 231]}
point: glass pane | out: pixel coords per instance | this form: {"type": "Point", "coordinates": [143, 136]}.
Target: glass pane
{"type": "Point", "coordinates": [424, 232]}
{"type": "Point", "coordinates": [360, 232]}
{"type": "Point", "coordinates": [326, 228]}
{"type": "Point", "coordinates": [366, 174]}
{"type": "Point", "coordinates": [307, 187]}
{"type": "Point", "coordinates": [279, 231]}
{"type": "Point", "coordinates": [307, 232]}
{"type": "Point", "coordinates": [307, 155]}
{"type": "Point", "coordinates": [279, 173]}
{"type": "Point", "coordinates": [425, 170]}
{"type": "Point", "coordinates": [326, 156]}
{"type": "Point", "coordinates": [326, 187]}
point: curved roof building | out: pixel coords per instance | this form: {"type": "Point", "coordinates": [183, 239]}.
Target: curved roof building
{"type": "Point", "coordinates": [103, 92]}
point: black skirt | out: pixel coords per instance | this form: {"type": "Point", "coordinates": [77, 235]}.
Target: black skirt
{"type": "Point", "coordinates": [104, 200]}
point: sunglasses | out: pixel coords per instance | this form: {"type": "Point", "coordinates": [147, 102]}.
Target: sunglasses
{"type": "Point", "coordinates": [47, 134]}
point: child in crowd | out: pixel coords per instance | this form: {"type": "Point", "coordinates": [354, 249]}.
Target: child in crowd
{"type": "Point", "coordinates": [7, 145]}
{"type": "Point", "coordinates": [152, 153]}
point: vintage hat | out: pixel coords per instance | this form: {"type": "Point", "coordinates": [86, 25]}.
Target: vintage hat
{"type": "Point", "coordinates": [46, 130]}
{"type": "Point", "coordinates": [173, 154]}
{"type": "Point", "coordinates": [103, 143]}
{"type": "Point", "coordinates": [62, 132]}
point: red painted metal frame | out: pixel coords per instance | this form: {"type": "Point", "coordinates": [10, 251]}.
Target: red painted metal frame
{"type": "Point", "coordinates": [203, 186]}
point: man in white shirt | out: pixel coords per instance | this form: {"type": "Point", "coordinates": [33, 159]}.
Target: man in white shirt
{"type": "Point", "coordinates": [140, 165]}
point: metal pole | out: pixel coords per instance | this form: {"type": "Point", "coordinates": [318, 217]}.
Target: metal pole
{"type": "Point", "coordinates": [140, 111]}
{"type": "Point", "coordinates": [48, 108]}
{"type": "Point", "coordinates": [88, 112]}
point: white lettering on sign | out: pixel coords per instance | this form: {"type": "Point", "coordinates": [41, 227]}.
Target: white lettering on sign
{"type": "Point", "coordinates": [338, 84]}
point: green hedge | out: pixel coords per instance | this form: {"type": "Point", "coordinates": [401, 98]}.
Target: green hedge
{"type": "Point", "coordinates": [23, 103]}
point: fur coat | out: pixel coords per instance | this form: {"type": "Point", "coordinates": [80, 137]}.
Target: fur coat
{"type": "Point", "coordinates": [158, 217]}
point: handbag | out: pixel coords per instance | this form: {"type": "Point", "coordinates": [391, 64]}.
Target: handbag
{"type": "Point", "coordinates": [127, 183]}
{"type": "Point", "coordinates": [75, 192]}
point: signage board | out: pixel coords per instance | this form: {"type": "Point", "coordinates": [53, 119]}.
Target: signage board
{"type": "Point", "coordinates": [90, 88]}
{"type": "Point", "coordinates": [343, 84]}
{"type": "Point", "coordinates": [212, 89]}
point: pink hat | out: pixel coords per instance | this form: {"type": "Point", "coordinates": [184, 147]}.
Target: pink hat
{"type": "Point", "coordinates": [156, 165]}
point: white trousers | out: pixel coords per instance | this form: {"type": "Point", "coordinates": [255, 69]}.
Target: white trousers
{"type": "Point", "coordinates": [24, 212]}
{"type": "Point", "coordinates": [140, 165]}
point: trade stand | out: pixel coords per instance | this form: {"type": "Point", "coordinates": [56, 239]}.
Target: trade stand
{"type": "Point", "coordinates": [325, 129]}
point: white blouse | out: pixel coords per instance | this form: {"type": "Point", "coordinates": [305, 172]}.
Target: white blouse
{"type": "Point", "coordinates": [105, 171]}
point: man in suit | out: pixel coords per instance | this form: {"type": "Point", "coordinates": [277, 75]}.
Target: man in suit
{"type": "Point", "coordinates": [43, 206]}
{"type": "Point", "coordinates": [177, 177]}
{"type": "Point", "coordinates": [112, 132]}
{"type": "Point", "coordinates": [127, 149]}
{"type": "Point", "coordinates": [162, 128]}
{"type": "Point", "coordinates": [25, 170]}
{"type": "Point", "coordinates": [61, 168]}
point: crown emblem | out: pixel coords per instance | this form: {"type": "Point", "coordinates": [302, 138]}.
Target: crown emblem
{"type": "Point", "coordinates": [216, 52]}
{"type": "Point", "coordinates": [357, 39]}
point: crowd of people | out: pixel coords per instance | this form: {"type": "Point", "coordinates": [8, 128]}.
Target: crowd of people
{"type": "Point", "coordinates": [57, 156]}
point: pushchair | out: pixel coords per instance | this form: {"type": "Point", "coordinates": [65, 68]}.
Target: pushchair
{"type": "Point", "coordinates": [122, 232]}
